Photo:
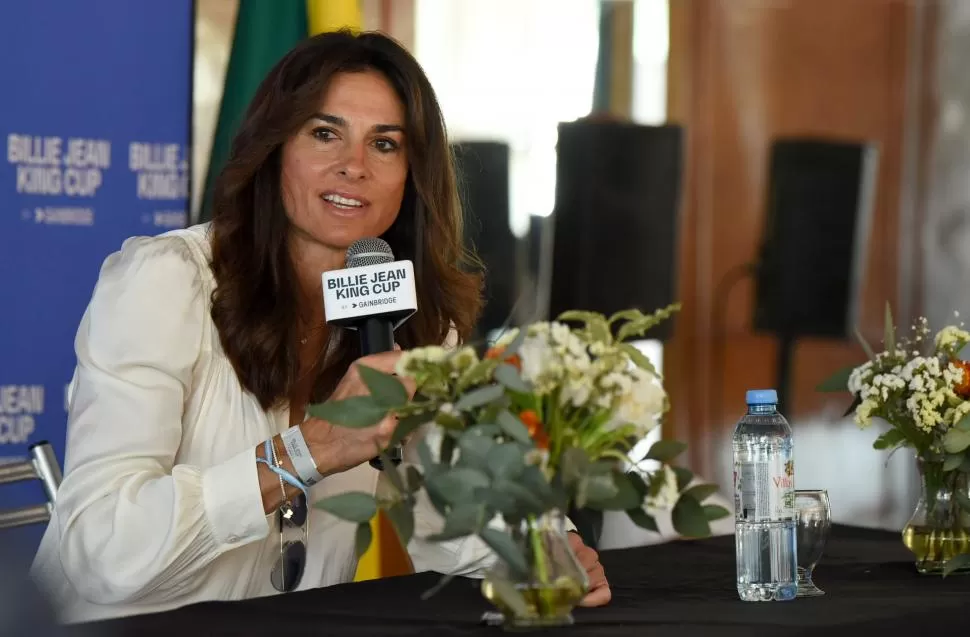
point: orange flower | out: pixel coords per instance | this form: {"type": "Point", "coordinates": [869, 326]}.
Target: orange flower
{"type": "Point", "coordinates": [535, 428]}
{"type": "Point", "coordinates": [962, 388]}
{"type": "Point", "coordinates": [499, 352]}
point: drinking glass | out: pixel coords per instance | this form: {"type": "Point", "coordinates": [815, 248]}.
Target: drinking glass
{"type": "Point", "coordinates": [814, 519]}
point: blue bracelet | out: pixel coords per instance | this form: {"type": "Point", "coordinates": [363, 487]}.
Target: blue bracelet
{"type": "Point", "coordinates": [280, 471]}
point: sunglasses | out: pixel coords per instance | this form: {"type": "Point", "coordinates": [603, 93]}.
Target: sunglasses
{"type": "Point", "coordinates": [288, 570]}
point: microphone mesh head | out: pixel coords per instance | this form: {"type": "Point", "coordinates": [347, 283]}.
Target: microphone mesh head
{"type": "Point", "coordinates": [368, 251]}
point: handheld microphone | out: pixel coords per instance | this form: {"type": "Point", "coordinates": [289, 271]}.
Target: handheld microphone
{"type": "Point", "coordinates": [373, 295]}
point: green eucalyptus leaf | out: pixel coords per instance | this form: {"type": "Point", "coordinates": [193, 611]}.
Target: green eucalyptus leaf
{"type": "Point", "coordinates": [684, 477]}
{"type": "Point", "coordinates": [426, 458]}
{"type": "Point", "coordinates": [963, 424]}
{"type": "Point", "coordinates": [666, 450]}
{"type": "Point", "coordinates": [474, 449]}
{"type": "Point", "coordinates": [889, 439]}
{"type": "Point", "coordinates": [488, 430]}
{"type": "Point", "coordinates": [415, 479]}
{"type": "Point", "coordinates": [715, 512]}
{"type": "Point", "coordinates": [701, 492]}
{"type": "Point", "coordinates": [386, 389]}
{"type": "Point", "coordinates": [953, 461]}
{"type": "Point", "coordinates": [402, 518]}
{"type": "Point", "coordinates": [463, 520]}
{"type": "Point", "coordinates": [956, 441]}
{"type": "Point", "coordinates": [643, 519]}
{"type": "Point", "coordinates": [393, 473]}
{"type": "Point", "coordinates": [458, 485]}
{"type": "Point", "coordinates": [689, 519]}
{"type": "Point", "coordinates": [506, 549]}
{"type": "Point", "coordinates": [525, 499]}
{"type": "Point", "coordinates": [574, 465]}
{"type": "Point", "coordinates": [622, 496]}
{"type": "Point", "coordinates": [509, 376]}
{"type": "Point", "coordinates": [502, 501]}
{"type": "Point", "coordinates": [965, 465]}
{"type": "Point", "coordinates": [406, 426]}
{"type": "Point", "coordinates": [362, 539]}
{"type": "Point", "coordinates": [638, 483]}
{"type": "Point", "coordinates": [956, 562]}
{"type": "Point", "coordinates": [535, 481]}
{"type": "Point", "coordinates": [479, 397]}
{"type": "Point", "coordinates": [356, 412]}
{"type": "Point", "coordinates": [353, 506]}
{"type": "Point", "coordinates": [506, 461]}
{"type": "Point", "coordinates": [513, 427]}
{"type": "Point", "coordinates": [447, 450]}
{"type": "Point", "coordinates": [837, 382]}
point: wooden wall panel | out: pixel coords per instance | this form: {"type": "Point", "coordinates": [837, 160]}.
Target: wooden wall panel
{"type": "Point", "coordinates": [741, 73]}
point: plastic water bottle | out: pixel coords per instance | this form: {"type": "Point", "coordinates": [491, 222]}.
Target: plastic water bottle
{"type": "Point", "coordinates": [764, 502]}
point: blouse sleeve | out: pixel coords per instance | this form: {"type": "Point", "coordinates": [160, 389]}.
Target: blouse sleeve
{"type": "Point", "coordinates": [132, 523]}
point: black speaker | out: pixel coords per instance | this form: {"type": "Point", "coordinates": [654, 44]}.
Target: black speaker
{"type": "Point", "coordinates": [616, 218]}
{"type": "Point", "coordinates": [483, 179]}
{"type": "Point", "coordinates": [818, 212]}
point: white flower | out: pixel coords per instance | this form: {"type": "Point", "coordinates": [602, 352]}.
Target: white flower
{"type": "Point", "coordinates": [863, 413]}
{"type": "Point", "coordinates": [411, 360]}
{"type": "Point", "coordinates": [663, 489]}
{"type": "Point", "coordinates": [951, 335]}
{"type": "Point", "coordinates": [553, 356]}
{"type": "Point", "coordinates": [858, 377]}
{"type": "Point", "coordinates": [576, 391]}
{"type": "Point", "coordinates": [643, 404]}
{"type": "Point", "coordinates": [953, 375]}
{"type": "Point", "coordinates": [463, 359]}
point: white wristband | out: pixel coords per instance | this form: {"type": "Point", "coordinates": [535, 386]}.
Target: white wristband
{"type": "Point", "coordinates": [299, 453]}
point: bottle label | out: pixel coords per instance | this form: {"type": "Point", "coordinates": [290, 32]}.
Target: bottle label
{"type": "Point", "coordinates": [764, 490]}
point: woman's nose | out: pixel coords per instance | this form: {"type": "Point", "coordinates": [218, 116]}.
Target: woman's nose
{"type": "Point", "coordinates": [354, 162]}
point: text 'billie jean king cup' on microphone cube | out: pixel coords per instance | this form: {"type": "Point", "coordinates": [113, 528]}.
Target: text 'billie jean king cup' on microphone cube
{"type": "Point", "coordinates": [373, 295]}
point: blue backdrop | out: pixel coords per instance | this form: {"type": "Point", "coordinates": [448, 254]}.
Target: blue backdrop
{"type": "Point", "coordinates": [95, 119]}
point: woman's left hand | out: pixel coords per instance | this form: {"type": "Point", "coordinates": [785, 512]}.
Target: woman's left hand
{"type": "Point", "coordinates": [599, 589]}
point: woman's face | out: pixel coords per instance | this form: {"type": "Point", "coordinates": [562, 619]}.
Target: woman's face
{"type": "Point", "coordinates": [344, 171]}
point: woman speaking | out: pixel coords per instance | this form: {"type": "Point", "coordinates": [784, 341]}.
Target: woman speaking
{"type": "Point", "coordinates": [201, 348]}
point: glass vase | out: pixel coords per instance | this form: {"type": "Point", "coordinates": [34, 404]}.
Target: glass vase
{"type": "Point", "coordinates": [554, 584]}
{"type": "Point", "coordinates": [939, 528]}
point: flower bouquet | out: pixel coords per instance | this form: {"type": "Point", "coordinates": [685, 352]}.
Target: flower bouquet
{"type": "Point", "coordinates": [920, 387]}
{"type": "Point", "coordinates": [542, 421]}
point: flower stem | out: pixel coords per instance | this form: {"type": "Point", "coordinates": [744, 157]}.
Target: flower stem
{"type": "Point", "coordinates": [541, 567]}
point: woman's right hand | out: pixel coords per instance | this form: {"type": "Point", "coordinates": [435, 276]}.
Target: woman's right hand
{"type": "Point", "coordinates": [336, 448]}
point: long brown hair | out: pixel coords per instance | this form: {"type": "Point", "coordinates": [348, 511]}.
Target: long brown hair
{"type": "Point", "coordinates": [254, 306]}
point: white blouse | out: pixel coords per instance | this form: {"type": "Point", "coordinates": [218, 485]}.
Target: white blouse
{"type": "Point", "coordinates": [160, 504]}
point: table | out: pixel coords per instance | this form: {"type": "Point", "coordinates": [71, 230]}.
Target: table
{"type": "Point", "coordinates": [678, 589]}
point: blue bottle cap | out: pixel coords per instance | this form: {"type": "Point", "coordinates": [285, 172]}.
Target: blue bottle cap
{"type": "Point", "coordinates": [761, 397]}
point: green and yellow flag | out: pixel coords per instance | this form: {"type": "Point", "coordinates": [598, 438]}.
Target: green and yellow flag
{"type": "Point", "coordinates": [265, 32]}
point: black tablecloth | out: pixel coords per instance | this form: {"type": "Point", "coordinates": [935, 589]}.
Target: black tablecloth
{"type": "Point", "coordinates": [679, 589]}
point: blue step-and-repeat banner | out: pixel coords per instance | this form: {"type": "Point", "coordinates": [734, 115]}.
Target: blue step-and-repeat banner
{"type": "Point", "coordinates": [95, 119]}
